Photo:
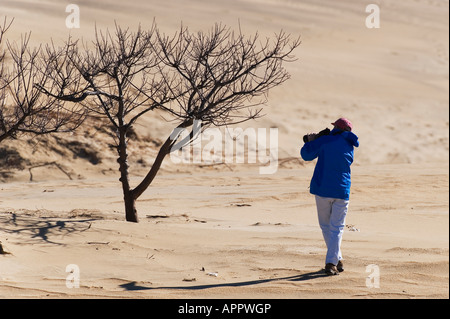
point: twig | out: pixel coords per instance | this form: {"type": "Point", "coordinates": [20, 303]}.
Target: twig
{"type": "Point", "coordinates": [48, 164]}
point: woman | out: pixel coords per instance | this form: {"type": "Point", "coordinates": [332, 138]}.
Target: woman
{"type": "Point", "coordinates": [331, 183]}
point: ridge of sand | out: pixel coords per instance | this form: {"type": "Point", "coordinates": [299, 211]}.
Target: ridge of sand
{"type": "Point", "coordinates": [259, 233]}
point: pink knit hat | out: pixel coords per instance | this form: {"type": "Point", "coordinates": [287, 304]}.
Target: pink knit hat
{"type": "Point", "coordinates": [343, 124]}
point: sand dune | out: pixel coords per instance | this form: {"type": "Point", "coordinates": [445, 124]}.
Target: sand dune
{"type": "Point", "coordinates": [61, 202]}
{"type": "Point", "coordinates": [258, 234]}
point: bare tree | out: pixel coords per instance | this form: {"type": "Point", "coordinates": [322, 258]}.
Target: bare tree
{"type": "Point", "coordinates": [219, 74]}
{"type": "Point", "coordinates": [23, 107]}
{"type": "Point", "coordinates": [208, 77]}
{"type": "Point", "coordinates": [224, 71]}
{"type": "Point", "coordinates": [120, 75]}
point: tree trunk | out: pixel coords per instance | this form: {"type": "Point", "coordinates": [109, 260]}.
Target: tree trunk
{"type": "Point", "coordinates": [148, 179]}
{"type": "Point", "coordinates": [131, 195]}
{"type": "Point", "coordinates": [163, 151]}
{"type": "Point", "coordinates": [130, 208]}
{"type": "Point", "coordinates": [130, 202]}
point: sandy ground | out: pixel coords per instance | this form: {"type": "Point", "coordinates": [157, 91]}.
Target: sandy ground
{"type": "Point", "coordinates": [227, 231]}
{"type": "Point", "coordinates": [259, 234]}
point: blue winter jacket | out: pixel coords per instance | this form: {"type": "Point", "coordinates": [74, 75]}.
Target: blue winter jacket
{"type": "Point", "coordinates": [332, 175]}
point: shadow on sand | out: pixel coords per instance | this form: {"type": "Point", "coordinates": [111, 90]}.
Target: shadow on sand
{"type": "Point", "coordinates": [302, 277]}
{"type": "Point", "coordinates": [40, 230]}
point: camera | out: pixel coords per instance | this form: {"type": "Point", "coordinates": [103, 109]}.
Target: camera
{"type": "Point", "coordinates": [312, 137]}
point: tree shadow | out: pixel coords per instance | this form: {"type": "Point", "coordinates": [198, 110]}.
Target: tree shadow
{"type": "Point", "coordinates": [302, 277]}
{"type": "Point", "coordinates": [36, 230]}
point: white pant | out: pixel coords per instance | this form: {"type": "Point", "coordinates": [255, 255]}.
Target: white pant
{"type": "Point", "coordinates": [332, 213]}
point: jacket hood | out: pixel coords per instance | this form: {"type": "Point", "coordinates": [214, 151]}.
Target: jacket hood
{"type": "Point", "coordinates": [351, 138]}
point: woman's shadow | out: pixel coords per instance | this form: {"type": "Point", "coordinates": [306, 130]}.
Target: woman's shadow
{"type": "Point", "coordinates": [302, 277]}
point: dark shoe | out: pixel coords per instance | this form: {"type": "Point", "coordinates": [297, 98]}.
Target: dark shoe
{"type": "Point", "coordinates": [340, 266]}
{"type": "Point", "coordinates": [331, 270]}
